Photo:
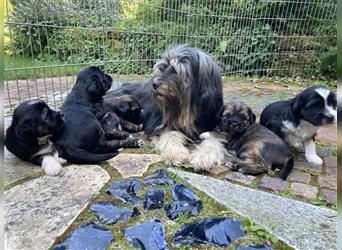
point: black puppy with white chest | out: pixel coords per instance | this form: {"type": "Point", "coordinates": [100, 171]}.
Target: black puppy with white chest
{"type": "Point", "coordinates": [297, 120]}
{"type": "Point", "coordinates": [30, 133]}
{"type": "Point", "coordinates": [83, 139]}
{"type": "Point", "coordinates": [257, 149]}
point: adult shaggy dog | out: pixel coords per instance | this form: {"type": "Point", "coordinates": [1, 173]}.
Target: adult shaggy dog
{"type": "Point", "coordinates": [180, 102]}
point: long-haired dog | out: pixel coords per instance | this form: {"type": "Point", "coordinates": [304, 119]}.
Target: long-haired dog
{"type": "Point", "coordinates": [297, 120]}
{"type": "Point", "coordinates": [257, 148]}
{"type": "Point", "coordinates": [180, 102]}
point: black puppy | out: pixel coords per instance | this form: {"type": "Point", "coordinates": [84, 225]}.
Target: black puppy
{"type": "Point", "coordinates": [257, 148]}
{"type": "Point", "coordinates": [82, 139]}
{"type": "Point", "coordinates": [297, 120]}
{"type": "Point", "coordinates": [29, 136]}
{"type": "Point", "coordinates": [128, 109]}
{"type": "Point", "coordinates": [111, 124]}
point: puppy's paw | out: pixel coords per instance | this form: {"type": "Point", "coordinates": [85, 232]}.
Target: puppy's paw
{"type": "Point", "coordinates": [204, 135]}
{"type": "Point", "coordinates": [314, 159]}
{"type": "Point", "coordinates": [175, 156]}
{"type": "Point", "coordinates": [140, 143]}
{"type": "Point", "coordinates": [130, 137]}
{"type": "Point", "coordinates": [62, 161]}
{"type": "Point", "coordinates": [232, 165]}
{"type": "Point", "coordinates": [51, 166]}
{"type": "Point", "coordinates": [141, 127]}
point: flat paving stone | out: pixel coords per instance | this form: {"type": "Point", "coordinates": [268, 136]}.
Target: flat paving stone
{"type": "Point", "coordinates": [330, 196]}
{"type": "Point", "coordinates": [274, 184]}
{"type": "Point", "coordinates": [328, 133]}
{"type": "Point", "coordinates": [298, 176]}
{"type": "Point", "coordinates": [38, 211]}
{"type": "Point", "coordinates": [16, 169]}
{"type": "Point", "coordinates": [330, 161]}
{"type": "Point", "coordinates": [240, 178]}
{"type": "Point", "coordinates": [306, 191]}
{"type": "Point", "coordinates": [218, 170]}
{"type": "Point", "coordinates": [133, 165]}
{"type": "Point", "coordinates": [302, 226]}
{"type": "Point", "coordinates": [307, 165]}
{"type": "Point", "coordinates": [331, 170]}
{"type": "Point", "coordinates": [328, 181]}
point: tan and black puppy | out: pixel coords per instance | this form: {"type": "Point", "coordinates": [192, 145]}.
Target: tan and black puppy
{"type": "Point", "coordinates": [128, 109]}
{"type": "Point", "coordinates": [257, 148]}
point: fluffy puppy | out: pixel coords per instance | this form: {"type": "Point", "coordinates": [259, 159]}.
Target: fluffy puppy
{"type": "Point", "coordinates": [28, 136]}
{"type": "Point", "coordinates": [180, 102]}
{"type": "Point", "coordinates": [297, 120]}
{"type": "Point", "coordinates": [257, 148]}
{"type": "Point", "coordinates": [112, 127]}
{"type": "Point", "coordinates": [82, 139]}
{"type": "Point", "coordinates": [128, 109]}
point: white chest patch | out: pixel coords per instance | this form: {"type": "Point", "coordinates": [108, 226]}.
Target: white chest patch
{"type": "Point", "coordinates": [296, 135]}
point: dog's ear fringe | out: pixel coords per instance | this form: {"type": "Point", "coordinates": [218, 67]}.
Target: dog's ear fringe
{"type": "Point", "coordinates": [25, 130]}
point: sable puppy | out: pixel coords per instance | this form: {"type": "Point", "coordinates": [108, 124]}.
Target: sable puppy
{"type": "Point", "coordinates": [111, 124]}
{"type": "Point", "coordinates": [180, 102]}
{"type": "Point", "coordinates": [297, 120]}
{"type": "Point", "coordinates": [28, 137]}
{"type": "Point", "coordinates": [257, 148]}
{"type": "Point", "coordinates": [128, 109]}
{"type": "Point", "coordinates": [82, 139]}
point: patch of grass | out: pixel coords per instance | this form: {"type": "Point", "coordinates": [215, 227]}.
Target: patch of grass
{"type": "Point", "coordinates": [254, 184]}
{"type": "Point", "coordinates": [45, 69]}
{"type": "Point", "coordinates": [210, 208]}
{"type": "Point", "coordinates": [286, 193]}
{"type": "Point", "coordinates": [21, 181]}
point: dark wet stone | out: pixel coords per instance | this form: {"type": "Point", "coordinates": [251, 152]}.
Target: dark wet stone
{"type": "Point", "coordinates": [253, 247]}
{"type": "Point", "coordinates": [160, 177]}
{"type": "Point", "coordinates": [125, 190]}
{"type": "Point", "coordinates": [111, 213]}
{"type": "Point", "coordinates": [213, 231]}
{"type": "Point", "coordinates": [154, 199]}
{"type": "Point", "coordinates": [149, 235]}
{"type": "Point", "coordinates": [89, 236]}
{"type": "Point", "coordinates": [185, 202]}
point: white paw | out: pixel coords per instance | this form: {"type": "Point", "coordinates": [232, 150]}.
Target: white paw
{"type": "Point", "coordinates": [205, 135]}
{"type": "Point", "coordinates": [51, 166]}
{"type": "Point", "coordinates": [176, 156]}
{"type": "Point", "coordinates": [130, 137]}
{"type": "Point", "coordinates": [314, 159]}
{"type": "Point", "coordinates": [140, 143]}
{"type": "Point", "coordinates": [141, 126]}
{"type": "Point", "coordinates": [62, 161]}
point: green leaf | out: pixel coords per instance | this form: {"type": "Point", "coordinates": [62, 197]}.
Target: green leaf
{"type": "Point", "coordinates": [255, 228]}
{"type": "Point", "coordinates": [274, 239]}
{"type": "Point", "coordinates": [223, 45]}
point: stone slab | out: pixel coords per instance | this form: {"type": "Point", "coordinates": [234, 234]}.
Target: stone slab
{"type": "Point", "coordinates": [274, 184]}
{"type": "Point", "coordinates": [298, 176]}
{"type": "Point", "coordinates": [307, 165]}
{"type": "Point", "coordinates": [133, 165]}
{"type": "Point", "coordinates": [38, 211]}
{"type": "Point", "coordinates": [302, 226]}
{"type": "Point", "coordinates": [16, 169]}
{"type": "Point", "coordinates": [328, 133]}
{"type": "Point", "coordinates": [240, 178]}
{"type": "Point", "coordinates": [306, 191]}
{"type": "Point", "coordinates": [330, 196]}
{"type": "Point", "coordinates": [218, 170]}
{"type": "Point", "coordinates": [328, 181]}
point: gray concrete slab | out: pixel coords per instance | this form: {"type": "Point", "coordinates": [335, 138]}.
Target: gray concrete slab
{"type": "Point", "coordinates": [300, 225]}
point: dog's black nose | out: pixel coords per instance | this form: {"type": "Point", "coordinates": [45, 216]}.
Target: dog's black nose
{"type": "Point", "coordinates": [155, 84]}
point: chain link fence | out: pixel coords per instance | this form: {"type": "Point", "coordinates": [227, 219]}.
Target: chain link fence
{"type": "Point", "coordinates": [48, 42]}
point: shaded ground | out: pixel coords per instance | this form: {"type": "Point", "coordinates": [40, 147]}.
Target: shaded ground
{"type": "Point", "coordinates": [312, 184]}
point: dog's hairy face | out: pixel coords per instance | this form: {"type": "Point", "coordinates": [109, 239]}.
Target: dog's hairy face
{"type": "Point", "coordinates": [94, 81]}
{"type": "Point", "coordinates": [129, 109]}
{"type": "Point", "coordinates": [187, 86]}
{"type": "Point", "coordinates": [236, 118]}
{"type": "Point", "coordinates": [316, 105]}
{"type": "Point", "coordinates": [111, 123]}
{"type": "Point", "coordinates": [34, 119]}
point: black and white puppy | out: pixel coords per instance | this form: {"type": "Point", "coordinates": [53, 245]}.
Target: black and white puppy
{"type": "Point", "coordinates": [297, 120]}
{"type": "Point", "coordinates": [29, 135]}
{"type": "Point", "coordinates": [257, 148]}
{"type": "Point", "coordinates": [83, 139]}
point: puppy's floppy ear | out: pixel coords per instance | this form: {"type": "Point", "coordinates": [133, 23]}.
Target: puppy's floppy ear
{"type": "Point", "coordinates": [296, 104]}
{"type": "Point", "coordinates": [252, 116]}
{"type": "Point", "coordinates": [26, 130]}
{"type": "Point", "coordinates": [94, 86]}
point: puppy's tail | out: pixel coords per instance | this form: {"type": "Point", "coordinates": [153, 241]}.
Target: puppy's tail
{"type": "Point", "coordinates": [286, 170]}
{"type": "Point", "coordinates": [81, 156]}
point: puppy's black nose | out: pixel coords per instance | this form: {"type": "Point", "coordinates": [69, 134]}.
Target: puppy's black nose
{"type": "Point", "coordinates": [155, 84]}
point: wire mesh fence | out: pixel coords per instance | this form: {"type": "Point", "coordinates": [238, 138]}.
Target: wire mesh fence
{"type": "Point", "coordinates": [48, 42]}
